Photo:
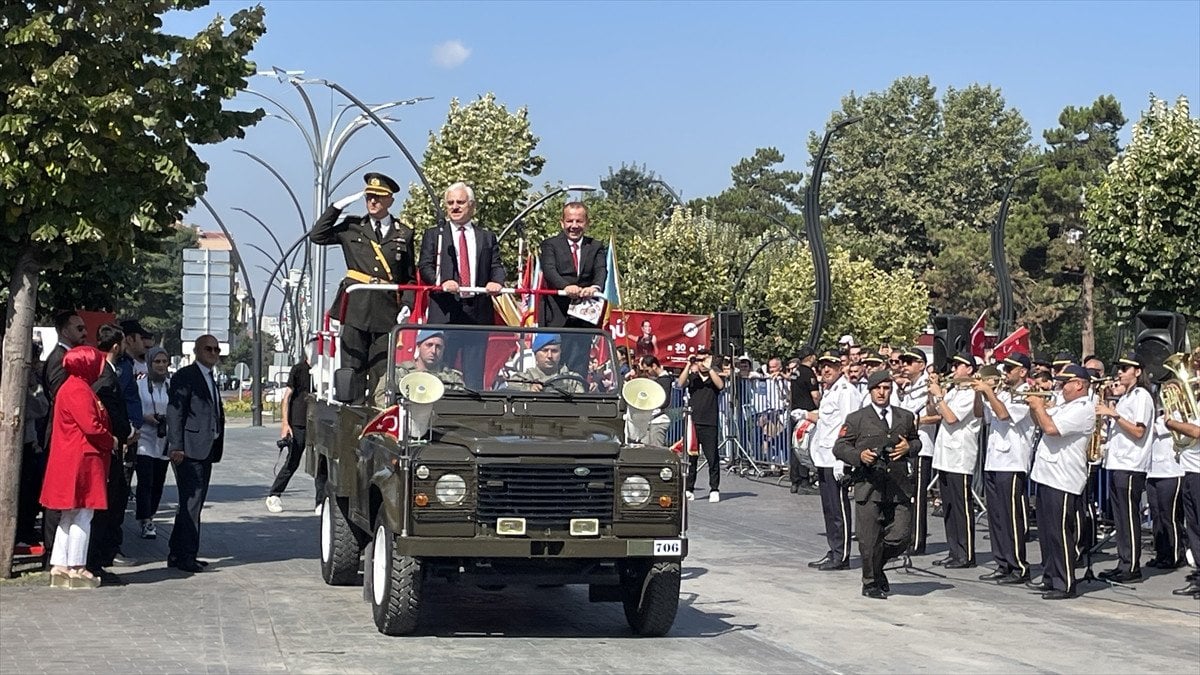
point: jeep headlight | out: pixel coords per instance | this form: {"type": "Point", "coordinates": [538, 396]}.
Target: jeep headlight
{"type": "Point", "coordinates": [451, 489]}
{"type": "Point", "coordinates": [635, 491]}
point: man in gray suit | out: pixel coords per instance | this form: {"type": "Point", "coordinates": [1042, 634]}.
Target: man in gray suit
{"type": "Point", "coordinates": [877, 440]}
{"type": "Point", "coordinates": [195, 441]}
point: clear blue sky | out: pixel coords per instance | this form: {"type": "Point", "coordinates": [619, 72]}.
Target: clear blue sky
{"type": "Point", "coordinates": [687, 88]}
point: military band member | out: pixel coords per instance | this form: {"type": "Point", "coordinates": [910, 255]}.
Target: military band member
{"type": "Point", "coordinates": [1128, 461]}
{"type": "Point", "coordinates": [1189, 459]}
{"type": "Point", "coordinates": [955, 453]}
{"type": "Point", "coordinates": [915, 398]}
{"type": "Point", "coordinates": [1060, 470]}
{"type": "Point", "coordinates": [839, 400]}
{"type": "Point", "coordinates": [883, 493]}
{"type": "Point", "coordinates": [874, 363]}
{"type": "Point", "coordinates": [547, 357]}
{"type": "Point", "coordinates": [429, 357]}
{"type": "Point", "coordinates": [378, 250]}
{"type": "Point", "coordinates": [1164, 491]}
{"type": "Point", "coordinates": [1009, 451]}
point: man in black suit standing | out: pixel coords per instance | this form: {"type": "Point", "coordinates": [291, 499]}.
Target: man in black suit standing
{"type": "Point", "coordinates": [378, 250]}
{"type": "Point", "coordinates": [462, 254]}
{"type": "Point", "coordinates": [877, 440]}
{"type": "Point", "coordinates": [195, 441]}
{"type": "Point", "coordinates": [576, 264]}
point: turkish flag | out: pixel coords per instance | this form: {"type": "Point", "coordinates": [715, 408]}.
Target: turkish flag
{"type": "Point", "coordinates": [978, 339]}
{"type": "Point", "coordinates": [689, 441]}
{"type": "Point", "coordinates": [1017, 342]}
{"type": "Point", "coordinates": [386, 422]}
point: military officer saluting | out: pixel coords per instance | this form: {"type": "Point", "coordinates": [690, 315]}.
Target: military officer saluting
{"type": "Point", "coordinates": [428, 358]}
{"type": "Point", "coordinates": [378, 250]}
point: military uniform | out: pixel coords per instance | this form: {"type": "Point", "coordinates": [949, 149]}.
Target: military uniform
{"type": "Point", "coordinates": [955, 453]}
{"type": "Point", "coordinates": [1128, 461]}
{"type": "Point", "coordinates": [569, 384]}
{"type": "Point", "coordinates": [453, 379]}
{"type": "Point", "coordinates": [837, 402]}
{"type": "Point", "coordinates": [883, 497]}
{"type": "Point", "coordinates": [366, 316]}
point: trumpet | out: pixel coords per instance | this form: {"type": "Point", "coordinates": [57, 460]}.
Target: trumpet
{"type": "Point", "coordinates": [1179, 398]}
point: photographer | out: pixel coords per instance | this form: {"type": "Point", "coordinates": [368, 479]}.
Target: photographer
{"type": "Point", "coordinates": [151, 462]}
{"type": "Point", "coordinates": [292, 430]}
{"type": "Point", "coordinates": [877, 441]}
{"type": "Point", "coordinates": [703, 383]}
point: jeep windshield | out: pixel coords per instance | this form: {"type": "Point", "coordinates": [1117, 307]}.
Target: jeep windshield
{"type": "Point", "coordinates": [476, 361]}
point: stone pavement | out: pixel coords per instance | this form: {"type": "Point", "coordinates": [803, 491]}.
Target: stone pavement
{"type": "Point", "coordinates": [748, 604]}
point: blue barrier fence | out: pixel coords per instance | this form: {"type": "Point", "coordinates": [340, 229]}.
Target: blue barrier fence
{"type": "Point", "coordinates": [754, 414]}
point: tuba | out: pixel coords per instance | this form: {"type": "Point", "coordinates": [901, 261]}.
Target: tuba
{"type": "Point", "coordinates": [1178, 397]}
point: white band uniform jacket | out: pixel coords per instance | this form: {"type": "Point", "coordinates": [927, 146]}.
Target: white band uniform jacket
{"type": "Point", "coordinates": [916, 400]}
{"type": "Point", "coordinates": [1162, 453]}
{"type": "Point", "coordinates": [1189, 459]}
{"type": "Point", "coordinates": [1126, 453]}
{"type": "Point", "coordinates": [1010, 442]}
{"type": "Point", "coordinates": [957, 446]}
{"type": "Point", "coordinates": [839, 400]}
{"type": "Point", "coordinates": [1061, 461]}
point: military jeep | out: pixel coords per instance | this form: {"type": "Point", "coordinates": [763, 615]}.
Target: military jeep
{"type": "Point", "coordinates": [512, 469]}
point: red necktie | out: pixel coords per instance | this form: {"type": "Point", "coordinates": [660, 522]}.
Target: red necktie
{"type": "Point", "coordinates": [464, 258]}
{"type": "Point", "coordinates": [575, 255]}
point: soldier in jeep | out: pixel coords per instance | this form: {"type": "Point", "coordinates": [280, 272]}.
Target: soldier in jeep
{"type": "Point", "coordinates": [431, 348]}
{"type": "Point", "coordinates": [547, 355]}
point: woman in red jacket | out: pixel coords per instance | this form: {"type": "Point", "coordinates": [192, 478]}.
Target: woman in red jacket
{"type": "Point", "coordinates": [77, 469]}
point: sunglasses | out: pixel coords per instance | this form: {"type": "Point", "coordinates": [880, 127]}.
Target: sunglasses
{"type": "Point", "coordinates": [894, 362]}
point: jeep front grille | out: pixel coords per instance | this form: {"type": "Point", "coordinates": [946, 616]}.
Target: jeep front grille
{"type": "Point", "coordinates": [545, 495]}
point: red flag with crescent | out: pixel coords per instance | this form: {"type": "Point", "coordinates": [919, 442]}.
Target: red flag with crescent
{"type": "Point", "coordinates": [387, 422]}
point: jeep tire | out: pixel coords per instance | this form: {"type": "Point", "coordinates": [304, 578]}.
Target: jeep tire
{"type": "Point", "coordinates": [650, 594]}
{"type": "Point", "coordinates": [340, 546]}
{"type": "Point", "coordinates": [396, 582]}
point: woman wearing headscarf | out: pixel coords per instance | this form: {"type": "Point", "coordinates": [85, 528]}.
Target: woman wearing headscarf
{"type": "Point", "coordinates": [152, 461]}
{"type": "Point", "coordinates": [81, 443]}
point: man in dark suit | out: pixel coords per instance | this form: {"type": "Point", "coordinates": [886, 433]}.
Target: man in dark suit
{"type": "Point", "coordinates": [118, 394]}
{"type": "Point", "coordinates": [576, 264]}
{"type": "Point", "coordinates": [195, 441]}
{"type": "Point", "coordinates": [378, 250]}
{"type": "Point", "coordinates": [71, 333]}
{"type": "Point", "coordinates": [877, 440]}
{"type": "Point", "coordinates": [462, 254]}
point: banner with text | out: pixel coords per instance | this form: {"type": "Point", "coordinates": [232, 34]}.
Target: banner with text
{"type": "Point", "coordinates": [670, 337]}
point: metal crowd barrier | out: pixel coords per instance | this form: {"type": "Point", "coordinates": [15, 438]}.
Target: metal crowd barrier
{"type": "Point", "coordinates": [757, 421]}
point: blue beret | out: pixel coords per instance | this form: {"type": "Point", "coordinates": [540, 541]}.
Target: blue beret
{"type": "Point", "coordinates": [544, 339]}
{"type": "Point", "coordinates": [426, 334]}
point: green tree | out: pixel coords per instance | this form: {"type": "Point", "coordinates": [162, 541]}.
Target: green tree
{"type": "Point", "coordinates": [760, 195]}
{"type": "Point", "coordinates": [1144, 217]}
{"type": "Point", "coordinates": [486, 146]}
{"type": "Point", "coordinates": [99, 111]}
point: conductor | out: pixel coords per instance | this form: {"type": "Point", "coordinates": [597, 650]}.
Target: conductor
{"type": "Point", "coordinates": [877, 440]}
{"type": "Point", "coordinates": [378, 250]}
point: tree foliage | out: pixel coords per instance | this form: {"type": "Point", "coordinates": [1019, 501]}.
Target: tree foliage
{"type": "Point", "coordinates": [761, 195]}
{"type": "Point", "coordinates": [489, 148]}
{"type": "Point", "coordinates": [1144, 217]}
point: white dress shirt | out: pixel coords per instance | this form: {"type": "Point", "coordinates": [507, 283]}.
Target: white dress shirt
{"type": "Point", "coordinates": [472, 251]}
{"type": "Point", "coordinates": [1126, 453]}
{"type": "Point", "coordinates": [1010, 442]}
{"type": "Point", "coordinates": [837, 402]}
{"type": "Point", "coordinates": [383, 226]}
{"type": "Point", "coordinates": [1061, 461]}
{"type": "Point", "coordinates": [1190, 459]}
{"type": "Point", "coordinates": [1162, 453]}
{"type": "Point", "coordinates": [915, 400]}
{"type": "Point", "coordinates": [956, 449]}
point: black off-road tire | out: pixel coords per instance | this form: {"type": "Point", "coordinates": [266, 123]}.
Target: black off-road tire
{"type": "Point", "coordinates": [396, 583]}
{"type": "Point", "coordinates": [650, 594]}
{"type": "Point", "coordinates": [340, 545]}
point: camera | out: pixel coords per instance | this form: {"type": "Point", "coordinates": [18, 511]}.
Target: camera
{"type": "Point", "coordinates": [885, 454]}
{"type": "Point", "coordinates": [161, 421]}
{"type": "Point", "coordinates": [284, 443]}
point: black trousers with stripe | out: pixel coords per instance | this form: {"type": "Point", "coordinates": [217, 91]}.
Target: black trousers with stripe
{"type": "Point", "coordinates": [835, 504]}
{"type": "Point", "coordinates": [1127, 489]}
{"type": "Point", "coordinates": [1008, 519]}
{"type": "Point", "coordinates": [1166, 509]}
{"type": "Point", "coordinates": [955, 489]}
{"type": "Point", "coordinates": [1191, 512]}
{"type": "Point", "coordinates": [922, 475]}
{"type": "Point", "coordinates": [1056, 534]}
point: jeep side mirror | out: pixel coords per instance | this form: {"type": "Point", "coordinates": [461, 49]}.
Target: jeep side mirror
{"type": "Point", "coordinates": [343, 385]}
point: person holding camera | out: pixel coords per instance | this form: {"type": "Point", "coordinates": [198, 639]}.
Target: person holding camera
{"type": "Point", "coordinates": [151, 461]}
{"type": "Point", "coordinates": [877, 441]}
{"type": "Point", "coordinates": [293, 428]}
{"type": "Point", "coordinates": [703, 382]}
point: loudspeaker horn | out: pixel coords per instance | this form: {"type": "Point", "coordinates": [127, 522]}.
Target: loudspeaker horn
{"type": "Point", "coordinates": [421, 388]}
{"type": "Point", "coordinates": [643, 394]}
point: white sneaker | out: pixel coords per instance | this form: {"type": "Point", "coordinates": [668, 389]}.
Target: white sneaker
{"type": "Point", "coordinates": [714, 496]}
{"type": "Point", "coordinates": [148, 531]}
{"type": "Point", "coordinates": [317, 511]}
{"type": "Point", "coordinates": [691, 496]}
{"type": "Point", "coordinates": [274, 504]}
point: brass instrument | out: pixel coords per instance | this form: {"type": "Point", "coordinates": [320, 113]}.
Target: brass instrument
{"type": "Point", "coordinates": [1096, 446]}
{"type": "Point", "coordinates": [1178, 398]}
{"type": "Point", "coordinates": [985, 373]}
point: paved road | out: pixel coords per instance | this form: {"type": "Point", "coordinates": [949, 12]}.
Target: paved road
{"type": "Point", "coordinates": [748, 605]}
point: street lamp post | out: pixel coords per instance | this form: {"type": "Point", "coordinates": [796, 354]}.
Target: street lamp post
{"type": "Point", "coordinates": [670, 190]}
{"type": "Point", "coordinates": [999, 263]}
{"type": "Point", "coordinates": [816, 241]}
